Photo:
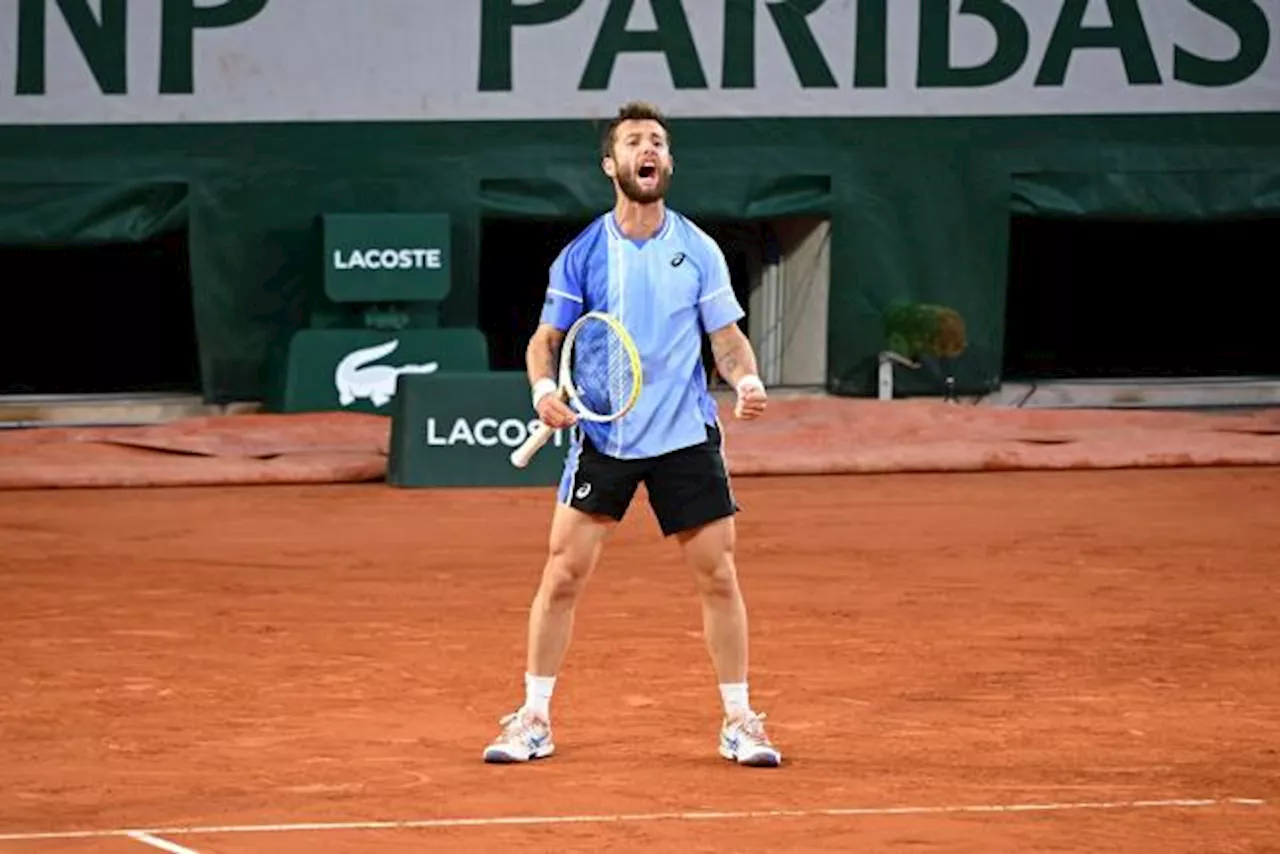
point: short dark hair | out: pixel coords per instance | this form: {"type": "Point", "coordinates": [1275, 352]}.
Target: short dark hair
{"type": "Point", "coordinates": [632, 111]}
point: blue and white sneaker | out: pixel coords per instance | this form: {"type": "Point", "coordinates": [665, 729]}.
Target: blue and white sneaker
{"type": "Point", "coordinates": [523, 737]}
{"type": "Point", "coordinates": [743, 740]}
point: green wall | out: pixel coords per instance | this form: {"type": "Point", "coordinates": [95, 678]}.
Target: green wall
{"type": "Point", "coordinates": [919, 207]}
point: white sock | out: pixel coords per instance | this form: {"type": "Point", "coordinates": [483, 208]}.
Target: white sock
{"type": "Point", "coordinates": [537, 694]}
{"type": "Point", "coordinates": [734, 695]}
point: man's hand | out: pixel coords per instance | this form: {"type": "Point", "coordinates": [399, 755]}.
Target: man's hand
{"type": "Point", "coordinates": [752, 398]}
{"type": "Point", "coordinates": [554, 412]}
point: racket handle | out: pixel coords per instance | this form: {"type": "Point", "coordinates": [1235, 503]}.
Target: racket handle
{"type": "Point", "coordinates": [541, 434]}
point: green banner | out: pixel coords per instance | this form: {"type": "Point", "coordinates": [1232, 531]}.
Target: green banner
{"type": "Point", "coordinates": [357, 369]}
{"type": "Point", "coordinates": [386, 257]}
{"type": "Point", "coordinates": [459, 429]}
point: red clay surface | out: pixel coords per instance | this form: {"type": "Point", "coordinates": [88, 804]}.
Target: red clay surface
{"type": "Point", "coordinates": [287, 654]}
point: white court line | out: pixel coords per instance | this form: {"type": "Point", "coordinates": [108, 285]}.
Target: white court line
{"type": "Point", "coordinates": [502, 821]}
{"type": "Point", "coordinates": [163, 844]}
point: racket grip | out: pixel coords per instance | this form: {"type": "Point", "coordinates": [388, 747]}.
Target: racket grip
{"type": "Point", "coordinates": [541, 434]}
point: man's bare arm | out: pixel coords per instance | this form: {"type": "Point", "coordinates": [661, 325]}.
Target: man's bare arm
{"type": "Point", "coordinates": [734, 356]}
{"type": "Point", "coordinates": [542, 359]}
{"type": "Point", "coordinates": [543, 353]}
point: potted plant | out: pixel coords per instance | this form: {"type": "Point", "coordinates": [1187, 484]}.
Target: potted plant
{"type": "Point", "coordinates": [915, 332]}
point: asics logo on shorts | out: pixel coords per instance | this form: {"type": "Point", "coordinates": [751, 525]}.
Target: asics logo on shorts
{"type": "Point", "coordinates": [582, 491]}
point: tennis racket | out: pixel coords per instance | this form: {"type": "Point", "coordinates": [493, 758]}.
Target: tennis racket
{"type": "Point", "coordinates": [600, 377]}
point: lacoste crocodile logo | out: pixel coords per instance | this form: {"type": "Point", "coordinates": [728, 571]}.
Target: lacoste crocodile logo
{"type": "Point", "coordinates": [356, 379]}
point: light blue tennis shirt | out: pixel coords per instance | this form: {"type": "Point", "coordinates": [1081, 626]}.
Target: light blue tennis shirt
{"type": "Point", "coordinates": [668, 291]}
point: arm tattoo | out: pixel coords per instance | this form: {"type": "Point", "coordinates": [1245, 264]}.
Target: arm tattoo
{"type": "Point", "coordinates": [733, 357]}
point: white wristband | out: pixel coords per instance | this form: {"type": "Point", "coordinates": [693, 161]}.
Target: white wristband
{"type": "Point", "coordinates": [541, 389]}
{"type": "Point", "coordinates": [749, 381]}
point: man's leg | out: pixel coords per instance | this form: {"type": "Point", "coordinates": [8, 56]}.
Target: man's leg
{"type": "Point", "coordinates": [693, 501]}
{"type": "Point", "coordinates": [709, 550]}
{"type": "Point", "coordinates": [577, 539]}
{"type": "Point", "coordinates": [594, 495]}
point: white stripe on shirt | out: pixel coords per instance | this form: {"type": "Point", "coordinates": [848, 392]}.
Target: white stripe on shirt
{"type": "Point", "coordinates": [557, 293]}
{"type": "Point", "coordinates": [715, 294]}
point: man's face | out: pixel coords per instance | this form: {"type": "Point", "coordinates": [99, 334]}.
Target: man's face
{"type": "Point", "coordinates": [641, 162]}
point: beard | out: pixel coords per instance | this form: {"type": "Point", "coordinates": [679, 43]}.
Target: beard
{"type": "Point", "coordinates": [630, 186]}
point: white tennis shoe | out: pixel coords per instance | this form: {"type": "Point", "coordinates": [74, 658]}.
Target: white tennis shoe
{"type": "Point", "coordinates": [743, 740]}
{"type": "Point", "coordinates": [523, 737]}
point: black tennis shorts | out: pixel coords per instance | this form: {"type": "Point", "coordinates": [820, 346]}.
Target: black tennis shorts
{"type": "Point", "coordinates": [687, 488]}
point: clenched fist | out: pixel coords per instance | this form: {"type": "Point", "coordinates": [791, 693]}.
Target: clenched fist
{"type": "Point", "coordinates": [554, 412]}
{"type": "Point", "coordinates": [752, 398]}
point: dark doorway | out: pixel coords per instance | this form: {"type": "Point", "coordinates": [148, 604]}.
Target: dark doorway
{"type": "Point", "coordinates": [1090, 298]}
{"type": "Point", "coordinates": [515, 257]}
{"type": "Point", "coordinates": [111, 318]}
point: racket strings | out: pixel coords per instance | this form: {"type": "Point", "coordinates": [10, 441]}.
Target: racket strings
{"type": "Point", "coordinates": [603, 374]}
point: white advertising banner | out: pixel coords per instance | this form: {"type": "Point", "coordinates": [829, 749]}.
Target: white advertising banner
{"type": "Point", "coordinates": [153, 61]}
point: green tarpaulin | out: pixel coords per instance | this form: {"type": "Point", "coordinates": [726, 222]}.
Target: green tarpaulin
{"type": "Point", "coordinates": [920, 208]}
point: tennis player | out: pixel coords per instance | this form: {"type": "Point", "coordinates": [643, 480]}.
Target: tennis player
{"type": "Point", "coordinates": [667, 282]}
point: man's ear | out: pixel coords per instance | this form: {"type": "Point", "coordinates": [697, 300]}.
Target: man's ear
{"type": "Point", "coordinates": [609, 166]}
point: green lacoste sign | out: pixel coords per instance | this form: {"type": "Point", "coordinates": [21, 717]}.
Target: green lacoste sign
{"type": "Point", "coordinates": [386, 257]}
{"type": "Point", "coordinates": [458, 428]}
{"type": "Point", "coordinates": [358, 369]}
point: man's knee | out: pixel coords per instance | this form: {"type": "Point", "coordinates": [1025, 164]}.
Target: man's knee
{"type": "Point", "coordinates": [566, 573]}
{"type": "Point", "coordinates": [576, 539]}
{"type": "Point", "coordinates": [717, 579]}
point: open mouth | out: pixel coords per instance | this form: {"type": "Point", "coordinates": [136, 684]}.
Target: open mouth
{"type": "Point", "coordinates": [647, 171]}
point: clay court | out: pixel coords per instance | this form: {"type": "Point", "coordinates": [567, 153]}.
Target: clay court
{"type": "Point", "coordinates": [1017, 661]}
{"type": "Point", "coordinates": [277, 275]}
